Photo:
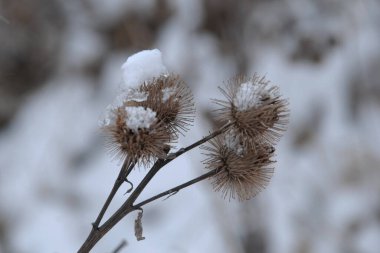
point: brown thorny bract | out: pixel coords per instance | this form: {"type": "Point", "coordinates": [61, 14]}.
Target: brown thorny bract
{"type": "Point", "coordinates": [242, 155]}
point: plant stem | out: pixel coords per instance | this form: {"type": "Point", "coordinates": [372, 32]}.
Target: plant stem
{"type": "Point", "coordinates": [200, 142]}
{"type": "Point", "coordinates": [176, 189]}
{"type": "Point", "coordinates": [98, 232]}
{"type": "Point", "coordinates": [118, 182]}
{"type": "Point", "coordinates": [96, 235]}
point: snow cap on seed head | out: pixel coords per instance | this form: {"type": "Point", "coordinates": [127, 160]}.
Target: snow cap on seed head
{"type": "Point", "coordinates": [142, 67]}
{"type": "Point", "coordinates": [147, 79]}
{"type": "Point", "coordinates": [130, 124]}
{"type": "Point", "coordinates": [151, 108]}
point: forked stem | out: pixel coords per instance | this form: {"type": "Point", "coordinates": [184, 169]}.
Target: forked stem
{"type": "Point", "coordinates": [124, 172]}
{"type": "Point", "coordinates": [98, 232]}
{"type": "Point", "coordinates": [176, 189]}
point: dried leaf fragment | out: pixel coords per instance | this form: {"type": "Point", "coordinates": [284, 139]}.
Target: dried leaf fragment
{"type": "Point", "coordinates": [138, 227]}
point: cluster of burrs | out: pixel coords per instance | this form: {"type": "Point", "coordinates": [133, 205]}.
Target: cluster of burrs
{"type": "Point", "coordinates": [144, 122]}
{"type": "Point", "coordinates": [154, 107]}
{"type": "Point", "coordinates": [243, 155]}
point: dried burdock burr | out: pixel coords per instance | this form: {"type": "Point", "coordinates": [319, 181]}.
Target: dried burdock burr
{"type": "Point", "coordinates": [143, 120]}
{"type": "Point", "coordinates": [259, 113]}
{"type": "Point", "coordinates": [240, 172]}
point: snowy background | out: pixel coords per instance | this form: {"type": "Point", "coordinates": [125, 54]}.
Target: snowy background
{"type": "Point", "coordinates": [60, 67]}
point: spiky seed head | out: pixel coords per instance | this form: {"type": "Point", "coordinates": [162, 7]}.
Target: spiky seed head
{"type": "Point", "coordinates": [134, 132]}
{"type": "Point", "coordinates": [143, 121]}
{"type": "Point", "coordinates": [242, 173]}
{"type": "Point", "coordinates": [259, 113]}
{"type": "Point", "coordinates": [172, 100]}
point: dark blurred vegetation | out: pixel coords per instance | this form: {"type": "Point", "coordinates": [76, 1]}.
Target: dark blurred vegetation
{"type": "Point", "coordinates": [30, 33]}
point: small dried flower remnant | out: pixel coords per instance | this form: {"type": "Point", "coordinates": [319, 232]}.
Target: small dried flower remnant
{"type": "Point", "coordinates": [139, 227]}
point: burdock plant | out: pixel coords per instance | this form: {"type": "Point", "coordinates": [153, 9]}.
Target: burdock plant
{"type": "Point", "coordinates": [155, 106]}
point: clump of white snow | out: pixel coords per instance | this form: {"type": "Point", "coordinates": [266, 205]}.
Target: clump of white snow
{"type": "Point", "coordinates": [135, 95]}
{"type": "Point", "coordinates": [142, 67]}
{"type": "Point", "coordinates": [129, 95]}
{"type": "Point", "coordinates": [167, 93]}
{"type": "Point", "coordinates": [138, 69]}
{"type": "Point", "coordinates": [108, 118]}
{"type": "Point", "coordinates": [248, 95]}
{"type": "Point", "coordinates": [232, 142]}
{"type": "Point", "coordinates": [139, 117]}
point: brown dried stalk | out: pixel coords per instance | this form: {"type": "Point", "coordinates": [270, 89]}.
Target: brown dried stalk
{"type": "Point", "coordinates": [98, 231]}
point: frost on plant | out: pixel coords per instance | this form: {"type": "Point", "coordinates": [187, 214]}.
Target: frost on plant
{"type": "Point", "coordinates": [233, 143]}
{"type": "Point", "coordinates": [167, 93]}
{"type": "Point", "coordinates": [134, 95]}
{"type": "Point", "coordinates": [249, 95]}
